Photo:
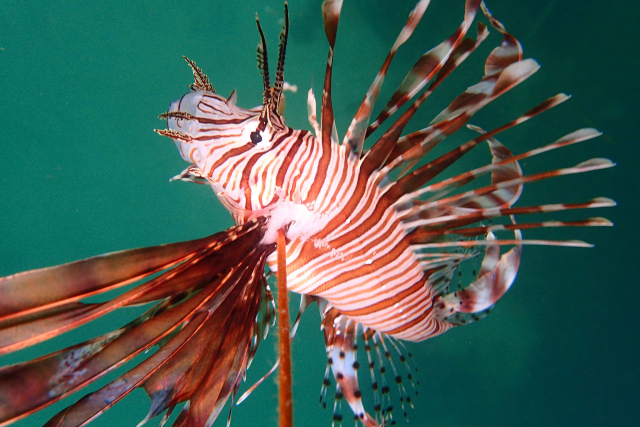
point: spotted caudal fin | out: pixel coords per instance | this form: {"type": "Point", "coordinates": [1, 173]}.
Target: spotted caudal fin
{"type": "Point", "coordinates": [208, 295]}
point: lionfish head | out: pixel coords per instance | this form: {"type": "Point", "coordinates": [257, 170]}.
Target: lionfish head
{"type": "Point", "coordinates": [207, 127]}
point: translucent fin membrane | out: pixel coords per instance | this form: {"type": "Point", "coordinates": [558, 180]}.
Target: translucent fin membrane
{"type": "Point", "coordinates": [208, 303]}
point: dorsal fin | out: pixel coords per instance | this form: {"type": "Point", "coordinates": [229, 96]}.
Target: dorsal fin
{"type": "Point", "coordinates": [330, 15]}
{"type": "Point", "coordinates": [357, 129]}
{"type": "Point", "coordinates": [232, 99]}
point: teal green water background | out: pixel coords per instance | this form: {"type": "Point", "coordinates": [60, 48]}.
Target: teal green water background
{"type": "Point", "coordinates": [82, 173]}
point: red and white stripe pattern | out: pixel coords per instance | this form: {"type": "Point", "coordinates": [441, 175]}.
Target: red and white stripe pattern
{"type": "Point", "coordinates": [375, 237]}
{"type": "Point", "coordinates": [352, 231]}
{"type": "Point", "coordinates": [378, 251]}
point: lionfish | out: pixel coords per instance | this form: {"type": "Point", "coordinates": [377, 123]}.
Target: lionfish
{"type": "Point", "coordinates": [373, 236]}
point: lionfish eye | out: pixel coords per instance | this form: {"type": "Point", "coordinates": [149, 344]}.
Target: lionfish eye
{"type": "Point", "coordinates": [255, 137]}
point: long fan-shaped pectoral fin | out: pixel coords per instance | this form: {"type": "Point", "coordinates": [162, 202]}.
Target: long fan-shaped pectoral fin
{"type": "Point", "coordinates": [21, 331]}
{"type": "Point", "coordinates": [305, 301]}
{"type": "Point", "coordinates": [224, 274]}
{"type": "Point", "coordinates": [94, 404]}
{"type": "Point", "coordinates": [189, 367]}
{"type": "Point", "coordinates": [26, 293]}
{"type": "Point", "coordinates": [176, 376]}
{"type": "Point", "coordinates": [30, 386]}
{"type": "Point", "coordinates": [68, 370]}
{"type": "Point", "coordinates": [200, 353]}
{"type": "Point", "coordinates": [227, 369]}
{"type": "Point", "coordinates": [49, 320]}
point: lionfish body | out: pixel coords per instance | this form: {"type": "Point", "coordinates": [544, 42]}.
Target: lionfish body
{"type": "Point", "coordinates": [373, 236]}
{"type": "Point", "coordinates": [358, 257]}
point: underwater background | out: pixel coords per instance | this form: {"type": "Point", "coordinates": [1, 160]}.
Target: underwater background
{"type": "Point", "coordinates": [82, 173]}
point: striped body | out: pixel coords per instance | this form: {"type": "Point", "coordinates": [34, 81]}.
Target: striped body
{"type": "Point", "coordinates": [375, 237]}
{"type": "Point", "coordinates": [357, 257]}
